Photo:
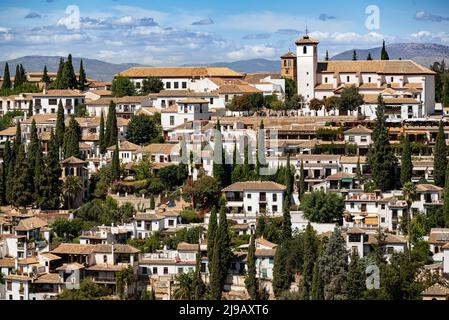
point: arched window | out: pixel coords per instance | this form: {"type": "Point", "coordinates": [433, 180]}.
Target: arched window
{"type": "Point", "coordinates": [304, 49]}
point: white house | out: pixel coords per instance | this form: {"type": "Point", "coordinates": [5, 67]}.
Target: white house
{"type": "Point", "coordinates": [260, 197]}
{"type": "Point", "coordinates": [47, 101]}
{"type": "Point", "coordinates": [185, 110]}
{"type": "Point", "coordinates": [359, 136]}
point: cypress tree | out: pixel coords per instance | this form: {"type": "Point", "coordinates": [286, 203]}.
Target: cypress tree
{"type": "Point", "coordinates": [152, 202]}
{"type": "Point", "coordinates": [60, 125]}
{"type": "Point", "coordinates": [334, 266]}
{"type": "Point", "coordinates": [406, 161]}
{"type": "Point", "coordinates": [354, 56]}
{"type": "Point", "coordinates": [237, 168]}
{"type": "Point", "coordinates": [211, 232]}
{"type": "Point", "coordinates": [198, 285]}
{"type": "Point", "coordinates": [102, 141]}
{"type": "Point", "coordinates": [82, 77]}
{"type": "Point", "coordinates": [289, 181]}
{"type": "Point", "coordinates": [2, 185]}
{"type": "Point", "coordinates": [50, 190]}
{"type": "Point", "coordinates": [246, 165]}
{"type": "Point", "coordinates": [369, 58]}
{"type": "Point", "coordinates": [215, 285]}
{"type": "Point", "coordinates": [250, 280]}
{"type": "Point", "coordinates": [446, 200]}
{"type": "Point", "coordinates": [384, 53]}
{"type": "Point", "coordinates": [23, 76]}
{"type": "Point", "coordinates": [260, 152]}
{"type": "Point", "coordinates": [223, 242]}
{"type": "Point", "coordinates": [111, 132]}
{"type": "Point", "coordinates": [327, 56]}
{"type": "Point", "coordinates": [21, 195]}
{"type": "Point", "coordinates": [355, 283]}
{"type": "Point", "coordinates": [440, 157]}
{"type": "Point", "coordinates": [17, 141]}
{"type": "Point", "coordinates": [380, 157]}
{"type": "Point", "coordinates": [33, 149]}
{"type": "Point", "coordinates": [218, 170]}
{"type": "Point", "coordinates": [30, 109]}
{"type": "Point", "coordinates": [317, 283]}
{"type": "Point", "coordinates": [281, 274]}
{"type": "Point", "coordinates": [38, 178]}
{"type": "Point", "coordinates": [72, 139]}
{"type": "Point", "coordinates": [5, 166]}
{"type": "Point", "coordinates": [45, 78]}
{"type": "Point", "coordinates": [17, 77]}
{"type": "Point", "coordinates": [302, 182]}
{"type": "Point", "coordinates": [115, 165]}
{"type": "Point", "coordinates": [6, 78]}
{"type": "Point", "coordinates": [286, 222]}
{"type": "Point", "coordinates": [59, 81]}
{"type": "Point", "coordinates": [68, 75]}
{"type": "Point", "coordinates": [310, 256]}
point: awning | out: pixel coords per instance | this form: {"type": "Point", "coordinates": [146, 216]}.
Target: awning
{"type": "Point", "coordinates": [346, 180]}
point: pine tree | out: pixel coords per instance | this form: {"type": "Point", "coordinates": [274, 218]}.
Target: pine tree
{"type": "Point", "coordinates": [327, 56]}
{"type": "Point", "coordinates": [384, 53]}
{"type": "Point", "coordinates": [60, 126]}
{"type": "Point", "coordinates": [369, 58]}
{"type": "Point", "coordinates": [355, 283]}
{"type": "Point", "coordinates": [302, 183]}
{"type": "Point", "coordinates": [102, 139]}
{"type": "Point", "coordinates": [310, 256]}
{"type": "Point", "coordinates": [286, 222]}
{"type": "Point", "coordinates": [211, 232]}
{"type": "Point", "coordinates": [440, 157]}
{"type": "Point", "coordinates": [111, 132]}
{"type": "Point", "coordinates": [334, 266]}
{"type": "Point", "coordinates": [82, 77]}
{"type": "Point", "coordinates": [281, 274]}
{"type": "Point", "coordinates": [317, 283]}
{"type": "Point", "coordinates": [6, 78]}
{"type": "Point", "coordinates": [45, 78]}
{"type": "Point", "coordinates": [354, 56]}
{"type": "Point", "coordinates": [406, 161]}
{"type": "Point", "coordinates": [250, 280]}
{"type": "Point", "coordinates": [115, 165]}
{"type": "Point", "coordinates": [21, 195]}
{"type": "Point", "coordinates": [72, 139]}
{"type": "Point", "coordinates": [380, 157]}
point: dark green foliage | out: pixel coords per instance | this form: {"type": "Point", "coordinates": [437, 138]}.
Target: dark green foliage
{"type": "Point", "coordinates": [206, 192]}
{"type": "Point", "coordinates": [384, 53]}
{"type": "Point", "coordinates": [250, 280]}
{"type": "Point", "coordinates": [289, 181]}
{"type": "Point", "coordinates": [286, 222]}
{"type": "Point", "coordinates": [115, 164]}
{"type": "Point", "coordinates": [6, 78]}
{"type": "Point", "coordinates": [302, 183]}
{"type": "Point", "coordinates": [72, 137]}
{"type": "Point", "coordinates": [290, 89]}
{"type": "Point", "coordinates": [102, 139]}
{"type": "Point", "coordinates": [281, 274]}
{"type": "Point", "coordinates": [350, 99]}
{"type": "Point", "coordinates": [369, 56]}
{"type": "Point", "coordinates": [68, 77]}
{"type": "Point", "coordinates": [151, 85]}
{"type": "Point", "coordinates": [380, 156]}
{"type": "Point", "coordinates": [440, 157]}
{"type": "Point", "coordinates": [58, 81]}
{"type": "Point", "coordinates": [82, 77]}
{"type": "Point", "coordinates": [354, 56]}
{"type": "Point", "coordinates": [406, 161]}
{"type": "Point", "coordinates": [445, 213]}
{"type": "Point", "coordinates": [111, 132]}
{"type": "Point", "coordinates": [310, 256]}
{"type": "Point", "coordinates": [317, 284]}
{"type": "Point", "coordinates": [326, 58]}
{"type": "Point", "coordinates": [246, 102]}
{"type": "Point", "coordinates": [142, 129]}
{"type": "Point", "coordinates": [67, 230]}
{"type": "Point", "coordinates": [122, 86]}
{"type": "Point", "coordinates": [198, 286]}
{"type": "Point", "coordinates": [211, 232]}
{"type": "Point", "coordinates": [173, 176]}
{"type": "Point", "coordinates": [60, 126]}
{"type": "Point", "coordinates": [88, 291]}
{"type": "Point", "coordinates": [323, 207]}
{"type": "Point", "coordinates": [45, 78]}
{"type": "Point", "coordinates": [355, 283]}
{"type": "Point", "coordinates": [21, 188]}
{"type": "Point", "coordinates": [50, 189]}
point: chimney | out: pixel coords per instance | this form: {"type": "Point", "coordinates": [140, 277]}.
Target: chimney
{"type": "Point", "coordinates": [44, 91]}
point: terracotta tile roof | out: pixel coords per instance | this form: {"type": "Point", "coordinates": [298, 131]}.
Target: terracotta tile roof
{"type": "Point", "coordinates": [103, 93]}
{"type": "Point", "coordinates": [7, 263]}
{"type": "Point", "coordinates": [340, 175]}
{"type": "Point", "coordinates": [59, 93]}
{"type": "Point", "coordinates": [358, 130]}
{"type": "Point", "coordinates": [106, 267]}
{"type": "Point", "coordinates": [11, 131]}
{"type": "Point", "coordinates": [373, 66]}
{"type": "Point", "coordinates": [439, 236]}
{"type": "Point", "coordinates": [184, 246]}
{"type": "Point", "coordinates": [118, 248]}
{"type": "Point", "coordinates": [428, 187]}
{"type": "Point", "coordinates": [31, 260]}
{"type": "Point", "coordinates": [436, 290]}
{"type": "Point", "coordinates": [73, 160]}
{"type": "Point", "coordinates": [125, 146]}
{"type": "Point", "coordinates": [324, 86]}
{"type": "Point", "coordinates": [181, 93]}
{"type": "Point", "coordinates": [148, 216]}
{"type": "Point", "coordinates": [41, 118]}
{"type": "Point", "coordinates": [73, 248]}
{"type": "Point", "coordinates": [306, 40]}
{"type": "Point", "coordinates": [192, 100]}
{"type": "Point", "coordinates": [265, 252]}
{"type": "Point", "coordinates": [157, 261]}
{"type": "Point", "coordinates": [50, 256]}
{"type": "Point", "coordinates": [126, 99]}
{"type": "Point", "coordinates": [171, 109]}
{"type": "Point", "coordinates": [265, 243]}
{"type": "Point", "coordinates": [148, 110]}
{"type": "Point", "coordinates": [352, 160]}
{"type": "Point", "coordinates": [390, 238]}
{"type": "Point", "coordinates": [256, 78]}
{"type": "Point", "coordinates": [159, 148]}
{"type": "Point", "coordinates": [30, 224]}
{"type": "Point", "coordinates": [18, 277]}
{"type": "Point", "coordinates": [254, 185]}
{"type": "Point", "coordinates": [180, 72]}
{"type": "Point", "coordinates": [70, 266]}
{"type": "Point", "coordinates": [289, 55]}
{"type": "Point", "coordinates": [238, 89]}
{"type": "Point", "coordinates": [50, 278]}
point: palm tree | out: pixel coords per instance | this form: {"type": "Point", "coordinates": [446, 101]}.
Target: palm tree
{"type": "Point", "coordinates": [184, 288]}
{"type": "Point", "coordinates": [72, 185]}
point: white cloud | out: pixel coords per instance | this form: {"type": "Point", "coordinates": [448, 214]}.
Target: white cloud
{"type": "Point", "coordinates": [428, 36]}
{"type": "Point", "coordinates": [351, 37]}
{"type": "Point", "coordinates": [250, 52]}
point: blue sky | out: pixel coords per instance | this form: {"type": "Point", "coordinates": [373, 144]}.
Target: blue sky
{"type": "Point", "coordinates": [174, 32]}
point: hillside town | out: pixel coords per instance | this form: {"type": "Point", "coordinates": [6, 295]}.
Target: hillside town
{"type": "Point", "coordinates": [325, 181]}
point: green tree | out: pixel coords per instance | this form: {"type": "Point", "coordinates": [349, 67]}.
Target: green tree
{"type": "Point", "coordinates": [206, 192]}
{"type": "Point", "coordinates": [199, 288]}
{"type": "Point", "coordinates": [123, 279]}
{"type": "Point", "coordinates": [45, 78]}
{"type": "Point", "coordinates": [446, 200]}
{"type": "Point", "coordinates": [152, 202]}
{"type": "Point", "coordinates": [251, 280]}
{"type": "Point", "coordinates": [440, 157]}
{"type": "Point", "coordinates": [289, 181]}
{"type": "Point", "coordinates": [326, 58]}
{"type": "Point", "coordinates": [310, 256]}
{"type": "Point", "coordinates": [60, 125]}
{"type": "Point", "coordinates": [218, 169]}
{"type": "Point", "coordinates": [82, 77]}
{"type": "Point", "coordinates": [151, 85]}
{"type": "Point", "coordinates": [72, 137]}
{"type": "Point", "coordinates": [334, 266]}
{"type": "Point", "coordinates": [142, 129]}
{"type": "Point", "coordinates": [319, 206]}
{"type": "Point", "coordinates": [111, 132]}
{"type": "Point", "coordinates": [369, 57]}
{"type": "Point", "coordinates": [281, 274]}
{"type": "Point", "coordinates": [317, 283]}
{"type": "Point", "coordinates": [384, 53]}
{"type": "Point", "coordinates": [115, 164]}
{"type": "Point", "coordinates": [211, 232]}
{"type": "Point", "coordinates": [286, 222]}
{"type": "Point", "coordinates": [102, 139]}
{"type": "Point", "coordinates": [122, 86]}
{"type": "Point", "coordinates": [406, 161]}
{"type": "Point", "coordinates": [380, 156]}
{"type": "Point", "coordinates": [6, 78]}
{"type": "Point", "coordinates": [88, 290]}
{"type": "Point", "coordinates": [50, 190]}
{"type": "Point", "coordinates": [354, 56]}
{"type": "Point", "coordinates": [21, 188]}
{"type": "Point", "coordinates": [350, 99]}
{"type": "Point", "coordinates": [223, 243]}
{"type": "Point", "coordinates": [355, 283]}
{"type": "Point", "coordinates": [72, 186]}
{"type": "Point", "coordinates": [302, 183]}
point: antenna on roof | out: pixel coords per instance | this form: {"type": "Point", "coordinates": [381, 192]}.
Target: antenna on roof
{"type": "Point", "coordinates": [307, 31]}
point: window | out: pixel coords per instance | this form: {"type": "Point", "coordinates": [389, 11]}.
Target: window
{"type": "Point", "coordinates": [180, 270]}
{"type": "Point", "coordinates": [363, 207]}
{"type": "Point", "coordinates": [352, 205]}
{"type": "Point", "coordinates": [168, 85]}
{"type": "Point", "coordinates": [144, 270]}
{"type": "Point", "coordinates": [52, 102]}
{"type": "Point", "coordinates": [68, 102]}
{"type": "Point", "coordinates": [8, 285]}
{"type": "Point", "coordinates": [211, 101]}
{"type": "Point", "coordinates": [382, 206]}
{"type": "Point", "coordinates": [264, 273]}
{"type": "Point", "coordinates": [172, 120]}
{"type": "Point", "coordinates": [184, 85]}
{"type": "Point", "coordinates": [154, 270]}
{"type": "Point", "coordinates": [351, 138]}
{"type": "Point", "coordinates": [390, 250]}
{"type": "Point", "coordinates": [275, 197]}
{"type": "Point", "coordinates": [175, 85]}
{"type": "Point", "coordinates": [382, 220]}
{"type": "Point", "coordinates": [325, 80]}
{"type": "Point", "coordinates": [171, 223]}
{"type": "Point", "coordinates": [304, 50]}
{"type": "Point", "coordinates": [392, 79]}
{"type": "Point", "coordinates": [226, 98]}
{"type": "Point", "coordinates": [363, 139]}
{"type": "Point", "coordinates": [248, 195]}
{"type": "Point", "coordinates": [275, 209]}
{"type": "Point", "coordinates": [105, 258]}
{"type": "Point", "coordinates": [347, 79]}
{"type": "Point", "coordinates": [369, 79]}
{"type": "Point", "coordinates": [250, 208]}
{"type": "Point", "coordinates": [137, 85]}
{"type": "Point", "coordinates": [165, 270]}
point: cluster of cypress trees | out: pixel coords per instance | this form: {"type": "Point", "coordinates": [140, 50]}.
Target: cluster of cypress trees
{"type": "Point", "coordinates": [66, 77]}
{"type": "Point", "coordinates": [28, 177]}
{"type": "Point", "coordinates": [19, 78]}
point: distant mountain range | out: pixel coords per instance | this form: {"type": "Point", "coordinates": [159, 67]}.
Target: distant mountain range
{"type": "Point", "coordinates": [423, 53]}
{"type": "Point", "coordinates": [96, 69]}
